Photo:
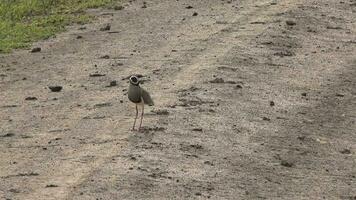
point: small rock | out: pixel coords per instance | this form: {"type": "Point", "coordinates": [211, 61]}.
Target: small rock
{"type": "Point", "coordinates": [14, 190]}
{"type": "Point", "coordinates": [266, 119]}
{"type": "Point", "coordinates": [55, 88]}
{"type": "Point", "coordinates": [100, 105]}
{"type": "Point", "coordinates": [231, 82]}
{"type": "Point", "coordinates": [30, 98]}
{"type": "Point", "coordinates": [112, 84]}
{"type": "Point", "coordinates": [208, 163]}
{"type": "Point", "coordinates": [334, 27]}
{"type": "Point", "coordinates": [339, 95]}
{"type": "Point", "coordinates": [195, 14]}
{"type": "Point", "coordinates": [51, 185]}
{"type": "Point", "coordinates": [144, 6]}
{"type": "Point", "coordinates": [79, 37]}
{"type": "Point", "coordinates": [36, 49]}
{"type": "Point", "coordinates": [119, 7]}
{"type": "Point", "coordinates": [346, 151]}
{"type": "Point", "coordinates": [197, 129]}
{"type": "Point", "coordinates": [271, 103]}
{"type": "Point", "coordinates": [155, 129]}
{"type": "Point", "coordinates": [8, 135]}
{"type": "Point", "coordinates": [161, 112]}
{"type": "Point", "coordinates": [105, 57]}
{"type": "Point", "coordinates": [284, 53]}
{"type": "Point", "coordinates": [217, 80]}
{"type": "Point", "coordinates": [198, 194]}
{"type": "Point", "coordinates": [189, 7]}
{"type": "Point", "coordinates": [304, 94]}
{"type": "Point", "coordinates": [96, 75]}
{"type": "Point", "coordinates": [238, 86]}
{"type": "Point", "coordinates": [301, 138]}
{"type": "Point", "coordinates": [286, 163]}
{"type": "Point", "coordinates": [107, 27]}
{"type": "Point", "coordinates": [291, 23]}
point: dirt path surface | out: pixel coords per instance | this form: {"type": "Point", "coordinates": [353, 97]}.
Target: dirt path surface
{"type": "Point", "coordinates": [254, 100]}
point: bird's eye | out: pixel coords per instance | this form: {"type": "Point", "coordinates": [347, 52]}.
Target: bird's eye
{"type": "Point", "coordinates": [134, 79]}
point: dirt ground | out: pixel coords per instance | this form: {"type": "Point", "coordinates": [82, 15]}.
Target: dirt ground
{"type": "Point", "coordinates": [254, 100]}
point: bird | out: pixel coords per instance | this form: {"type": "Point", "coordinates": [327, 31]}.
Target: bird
{"type": "Point", "coordinates": [138, 96]}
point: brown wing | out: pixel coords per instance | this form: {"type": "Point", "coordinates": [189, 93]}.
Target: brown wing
{"type": "Point", "coordinates": [146, 97]}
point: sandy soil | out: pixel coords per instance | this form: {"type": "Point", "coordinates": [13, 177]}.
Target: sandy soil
{"type": "Point", "coordinates": [254, 100]}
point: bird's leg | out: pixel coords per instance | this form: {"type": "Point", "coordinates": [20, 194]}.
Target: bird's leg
{"type": "Point", "coordinates": [143, 108]}
{"type": "Point", "coordinates": [133, 127]}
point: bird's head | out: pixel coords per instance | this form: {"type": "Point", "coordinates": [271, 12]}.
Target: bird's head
{"type": "Point", "coordinates": [134, 80]}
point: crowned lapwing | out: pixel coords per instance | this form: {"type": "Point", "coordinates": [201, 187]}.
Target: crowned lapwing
{"type": "Point", "coordinates": [139, 96]}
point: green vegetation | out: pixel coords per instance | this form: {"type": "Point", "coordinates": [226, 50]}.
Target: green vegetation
{"type": "Point", "coordinates": [25, 21]}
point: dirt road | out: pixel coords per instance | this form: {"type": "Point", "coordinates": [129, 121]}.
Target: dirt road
{"type": "Point", "coordinates": [254, 100]}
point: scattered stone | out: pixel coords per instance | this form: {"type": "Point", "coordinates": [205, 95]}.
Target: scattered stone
{"type": "Point", "coordinates": [189, 7]}
{"type": "Point", "coordinates": [9, 106]}
{"type": "Point", "coordinates": [51, 185]}
{"type": "Point", "coordinates": [105, 57]}
{"type": "Point", "coordinates": [258, 22]}
{"type": "Point", "coordinates": [14, 190]}
{"type": "Point", "coordinates": [117, 7]}
{"type": "Point", "coordinates": [36, 49]}
{"type": "Point", "coordinates": [112, 84]}
{"type": "Point", "coordinates": [208, 163]}
{"type": "Point", "coordinates": [266, 119]}
{"type": "Point", "coordinates": [238, 87]}
{"type": "Point", "coordinates": [301, 138]}
{"type": "Point", "coordinates": [195, 14]}
{"type": "Point", "coordinates": [100, 105]}
{"type": "Point", "coordinates": [161, 112]}
{"type": "Point", "coordinates": [99, 117]}
{"type": "Point", "coordinates": [30, 98]}
{"type": "Point", "coordinates": [283, 53]}
{"type": "Point", "coordinates": [107, 27]}
{"type": "Point", "coordinates": [8, 135]}
{"type": "Point", "coordinates": [96, 75]}
{"type": "Point", "coordinates": [291, 23]}
{"type": "Point", "coordinates": [346, 151]}
{"type": "Point", "coordinates": [156, 129]}
{"type": "Point", "coordinates": [271, 103]}
{"type": "Point", "coordinates": [286, 163]}
{"type": "Point", "coordinates": [55, 88]}
{"type": "Point", "coordinates": [231, 82]}
{"type": "Point", "coordinates": [217, 80]}
{"type": "Point", "coordinates": [334, 27]}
